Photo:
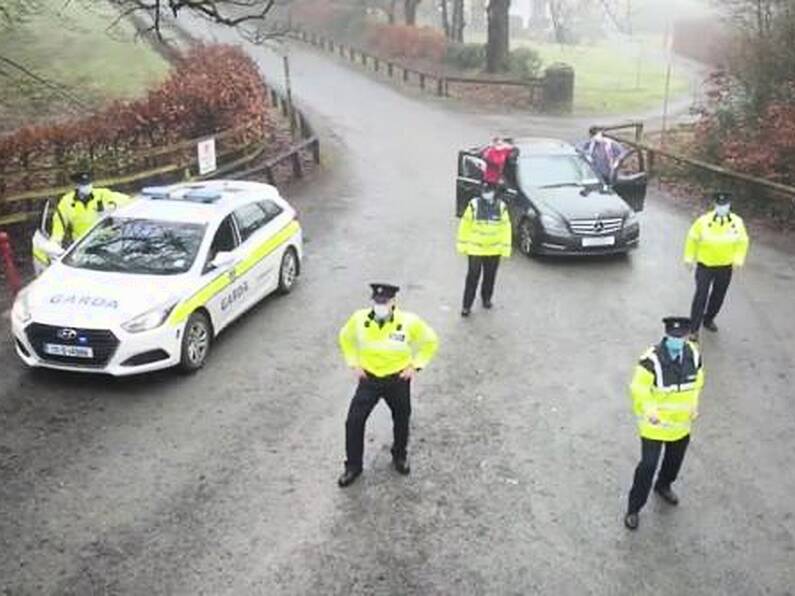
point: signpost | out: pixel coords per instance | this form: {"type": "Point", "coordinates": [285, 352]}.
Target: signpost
{"type": "Point", "coordinates": [206, 155]}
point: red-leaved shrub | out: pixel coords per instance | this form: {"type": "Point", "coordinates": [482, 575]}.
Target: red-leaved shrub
{"type": "Point", "coordinates": [210, 89]}
{"type": "Point", "coordinates": [405, 41]}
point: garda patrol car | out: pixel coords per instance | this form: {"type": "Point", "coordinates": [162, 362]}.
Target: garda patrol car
{"type": "Point", "coordinates": [154, 282]}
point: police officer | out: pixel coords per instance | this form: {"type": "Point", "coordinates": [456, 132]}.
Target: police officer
{"type": "Point", "coordinates": [80, 208]}
{"type": "Point", "coordinates": [665, 390]}
{"type": "Point", "coordinates": [484, 235]}
{"type": "Point", "coordinates": [717, 242]}
{"type": "Point", "coordinates": [385, 347]}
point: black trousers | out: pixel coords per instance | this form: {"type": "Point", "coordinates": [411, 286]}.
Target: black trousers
{"type": "Point", "coordinates": [644, 473]}
{"type": "Point", "coordinates": [397, 393]}
{"type": "Point", "coordinates": [711, 286]}
{"type": "Point", "coordinates": [488, 265]}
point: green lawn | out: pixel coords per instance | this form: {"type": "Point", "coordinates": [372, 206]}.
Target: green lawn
{"type": "Point", "coordinates": [69, 43]}
{"type": "Point", "coordinates": [607, 81]}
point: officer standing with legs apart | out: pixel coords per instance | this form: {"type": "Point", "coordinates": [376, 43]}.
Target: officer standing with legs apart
{"type": "Point", "coordinates": [665, 390]}
{"type": "Point", "coordinates": [484, 235]}
{"type": "Point", "coordinates": [385, 347]}
{"type": "Point", "coordinates": [718, 243]}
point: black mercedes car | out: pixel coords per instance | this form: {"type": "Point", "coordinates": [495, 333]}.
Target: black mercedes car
{"type": "Point", "coordinates": [558, 204]}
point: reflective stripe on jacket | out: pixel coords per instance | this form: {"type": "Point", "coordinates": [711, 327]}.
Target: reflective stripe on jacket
{"type": "Point", "coordinates": [78, 216]}
{"type": "Point", "coordinates": [667, 391]}
{"type": "Point", "coordinates": [385, 349]}
{"type": "Point", "coordinates": [485, 229]}
{"type": "Point", "coordinates": [717, 241]}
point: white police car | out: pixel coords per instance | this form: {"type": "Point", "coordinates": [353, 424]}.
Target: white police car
{"type": "Point", "coordinates": [154, 282]}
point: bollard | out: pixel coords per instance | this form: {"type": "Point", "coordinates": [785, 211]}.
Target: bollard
{"type": "Point", "coordinates": [12, 275]}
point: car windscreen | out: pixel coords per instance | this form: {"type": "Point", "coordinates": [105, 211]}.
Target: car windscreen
{"type": "Point", "coordinates": [138, 246]}
{"type": "Point", "coordinates": [539, 171]}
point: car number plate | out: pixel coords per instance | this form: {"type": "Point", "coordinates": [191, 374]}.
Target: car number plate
{"type": "Point", "coordinates": [73, 351]}
{"type": "Point", "coordinates": [599, 241]}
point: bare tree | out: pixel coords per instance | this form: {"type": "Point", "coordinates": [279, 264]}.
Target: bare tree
{"type": "Point", "coordinates": [410, 11]}
{"type": "Point", "coordinates": [231, 13]}
{"type": "Point", "coordinates": [457, 25]}
{"type": "Point", "coordinates": [497, 44]}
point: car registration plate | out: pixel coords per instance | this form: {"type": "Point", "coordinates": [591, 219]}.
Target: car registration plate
{"type": "Point", "coordinates": [599, 241]}
{"type": "Point", "coordinates": [72, 351]}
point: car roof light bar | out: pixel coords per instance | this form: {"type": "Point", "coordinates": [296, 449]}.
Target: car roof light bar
{"type": "Point", "coordinates": [201, 195]}
{"type": "Point", "coordinates": [156, 192]}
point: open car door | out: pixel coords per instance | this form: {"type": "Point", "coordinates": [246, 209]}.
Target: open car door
{"type": "Point", "coordinates": [470, 178]}
{"type": "Point", "coordinates": [44, 249]}
{"type": "Point", "coordinates": [630, 179]}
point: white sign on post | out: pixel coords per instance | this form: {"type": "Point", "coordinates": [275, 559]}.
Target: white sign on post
{"type": "Point", "coordinates": [206, 149]}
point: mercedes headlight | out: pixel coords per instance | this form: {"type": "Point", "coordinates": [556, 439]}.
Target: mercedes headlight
{"type": "Point", "coordinates": [554, 224]}
{"type": "Point", "coordinates": [151, 319]}
{"type": "Point", "coordinates": [632, 220]}
{"type": "Point", "coordinates": [21, 310]}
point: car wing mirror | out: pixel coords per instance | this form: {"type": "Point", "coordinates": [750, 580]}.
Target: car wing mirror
{"type": "Point", "coordinates": [222, 260]}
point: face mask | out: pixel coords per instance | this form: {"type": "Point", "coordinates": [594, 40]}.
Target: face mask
{"type": "Point", "coordinates": [84, 190]}
{"type": "Point", "coordinates": [488, 196]}
{"type": "Point", "coordinates": [381, 311]}
{"type": "Point", "coordinates": [722, 210]}
{"type": "Point", "coordinates": [675, 345]}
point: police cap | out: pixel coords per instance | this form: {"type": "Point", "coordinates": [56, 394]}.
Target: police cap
{"type": "Point", "coordinates": [721, 198]}
{"type": "Point", "coordinates": [677, 326]}
{"type": "Point", "coordinates": [384, 292]}
{"type": "Point", "coordinates": [82, 177]}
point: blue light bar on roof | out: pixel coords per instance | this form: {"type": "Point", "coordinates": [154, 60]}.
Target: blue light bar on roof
{"type": "Point", "coordinates": [155, 192]}
{"type": "Point", "coordinates": [202, 195]}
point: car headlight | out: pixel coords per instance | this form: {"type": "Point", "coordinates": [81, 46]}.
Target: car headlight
{"type": "Point", "coordinates": [21, 310]}
{"type": "Point", "coordinates": [151, 319]}
{"type": "Point", "coordinates": [553, 224]}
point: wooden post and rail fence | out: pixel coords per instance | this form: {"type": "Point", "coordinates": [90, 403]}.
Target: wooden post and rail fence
{"type": "Point", "coordinates": [631, 134]}
{"type": "Point", "coordinates": [172, 163]}
{"type": "Point", "coordinates": [553, 92]}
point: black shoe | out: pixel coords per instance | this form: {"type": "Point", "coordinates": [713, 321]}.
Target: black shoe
{"type": "Point", "coordinates": [465, 312]}
{"type": "Point", "coordinates": [401, 465]}
{"type": "Point", "coordinates": [667, 495]}
{"type": "Point", "coordinates": [711, 326]}
{"type": "Point", "coordinates": [487, 304]}
{"type": "Point", "coordinates": [631, 521]}
{"type": "Point", "coordinates": [348, 477]}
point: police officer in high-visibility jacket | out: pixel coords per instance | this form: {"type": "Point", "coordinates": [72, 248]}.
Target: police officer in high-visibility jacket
{"type": "Point", "coordinates": [385, 347]}
{"type": "Point", "coordinates": [484, 235]}
{"type": "Point", "coordinates": [717, 242]}
{"type": "Point", "coordinates": [665, 390]}
{"type": "Point", "coordinates": [81, 208]}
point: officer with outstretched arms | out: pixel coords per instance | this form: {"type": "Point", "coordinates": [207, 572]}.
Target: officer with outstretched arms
{"type": "Point", "coordinates": [665, 390]}
{"type": "Point", "coordinates": [385, 347]}
{"type": "Point", "coordinates": [81, 208]}
{"type": "Point", "coordinates": [717, 243]}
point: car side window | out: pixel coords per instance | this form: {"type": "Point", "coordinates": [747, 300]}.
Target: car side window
{"type": "Point", "coordinates": [250, 218]}
{"type": "Point", "coordinates": [225, 240]}
{"type": "Point", "coordinates": [472, 167]}
{"type": "Point", "coordinates": [271, 209]}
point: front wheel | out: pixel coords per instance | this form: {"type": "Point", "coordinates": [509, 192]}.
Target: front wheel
{"type": "Point", "coordinates": [288, 271]}
{"type": "Point", "coordinates": [196, 341]}
{"type": "Point", "coordinates": [527, 242]}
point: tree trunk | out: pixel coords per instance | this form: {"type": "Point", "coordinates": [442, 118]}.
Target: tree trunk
{"type": "Point", "coordinates": [410, 11]}
{"type": "Point", "coordinates": [445, 19]}
{"type": "Point", "coordinates": [390, 13]}
{"type": "Point", "coordinates": [498, 36]}
{"type": "Point", "coordinates": [458, 21]}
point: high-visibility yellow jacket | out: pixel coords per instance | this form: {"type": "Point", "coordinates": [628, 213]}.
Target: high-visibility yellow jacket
{"type": "Point", "coordinates": [385, 349]}
{"type": "Point", "coordinates": [485, 229]}
{"type": "Point", "coordinates": [665, 393]}
{"type": "Point", "coordinates": [73, 217]}
{"type": "Point", "coordinates": [717, 241]}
